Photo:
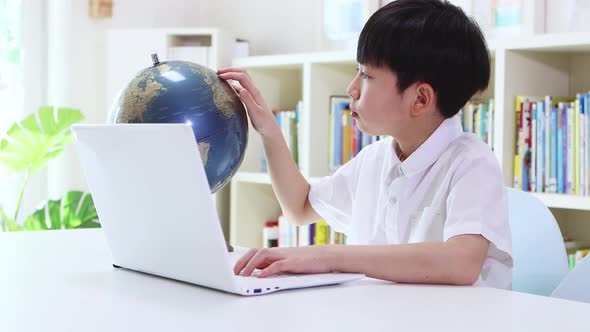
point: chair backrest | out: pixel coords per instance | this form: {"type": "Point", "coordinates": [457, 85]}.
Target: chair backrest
{"type": "Point", "coordinates": [538, 251]}
{"type": "Point", "coordinates": [576, 284]}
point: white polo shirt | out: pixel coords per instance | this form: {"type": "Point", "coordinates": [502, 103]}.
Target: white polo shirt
{"type": "Point", "coordinates": [451, 185]}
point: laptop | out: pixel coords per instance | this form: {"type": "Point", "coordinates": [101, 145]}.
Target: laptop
{"type": "Point", "coordinates": [153, 201]}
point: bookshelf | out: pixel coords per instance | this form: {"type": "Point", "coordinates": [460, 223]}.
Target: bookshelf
{"type": "Point", "coordinates": [552, 64]}
{"type": "Point", "coordinates": [129, 50]}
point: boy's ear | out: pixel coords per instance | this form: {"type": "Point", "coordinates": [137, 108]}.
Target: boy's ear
{"type": "Point", "coordinates": [425, 99]}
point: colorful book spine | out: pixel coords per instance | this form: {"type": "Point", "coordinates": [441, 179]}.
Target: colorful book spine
{"type": "Point", "coordinates": [554, 129]}
{"type": "Point", "coordinates": [572, 156]}
{"type": "Point", "coordinates": [322, 233]}
{"type": "Point", "coordinates": [337, 105]}
{"type": "Point", "coordinates": [562, 150]}
{"type": "Point", "coordinates": [517, 183]}
{"type": "Point", "coordinates": [540, 137]}
{"type": "Point", "coordinates": [574, 111]}
{"type": "Point", "coordinates": [477, 117]}
{"type": "Point", "coordinates": [353, 138]}
{"type": "Point", "coordinates": [346, 139]}
{"type": "Point", "coordinates": [547, 145]}
{"type": "Point", "coordinates": [533, 147]}
{"type": "Point", "coordinates": [551, 148]}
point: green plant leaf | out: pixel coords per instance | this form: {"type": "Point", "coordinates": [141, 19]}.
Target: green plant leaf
{"type": "Point", "coordinates": [38, 138]}
{"type": "Point", "coordinates": [74, 210]}
{"type": "Point", "coordinates": [10, 224]}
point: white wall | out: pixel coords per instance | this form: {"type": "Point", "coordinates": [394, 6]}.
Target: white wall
{"type": "Point", "coordinates": [567, 15]}
{"type": "Point", "coordinates": [271, 26]}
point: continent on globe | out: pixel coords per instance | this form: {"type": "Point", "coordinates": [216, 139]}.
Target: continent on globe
{"type": "Point", "coordinates": [186, 92]}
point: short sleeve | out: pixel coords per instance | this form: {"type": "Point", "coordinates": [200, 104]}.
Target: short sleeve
{"type": "Point", "coordinates": [477, 204]}
{"type": "Point", "coordinates": [332, 196]}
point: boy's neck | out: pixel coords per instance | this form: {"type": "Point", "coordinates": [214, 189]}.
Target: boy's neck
{"type": "Point", "coordinates": [417, 135]}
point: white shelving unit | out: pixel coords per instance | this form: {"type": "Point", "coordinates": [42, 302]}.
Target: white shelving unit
{"type": "Point", "coordinates": [129, 52]}
{"type": "Point", "coordinates": [557, 64]}
{"type": "Point", "coordinates": [560, 201]}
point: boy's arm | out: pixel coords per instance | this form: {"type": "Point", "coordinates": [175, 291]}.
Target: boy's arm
{"type": "Point", "coordinates": [457, 261]}
{"type": "Point", "coordinates": [290, 187]}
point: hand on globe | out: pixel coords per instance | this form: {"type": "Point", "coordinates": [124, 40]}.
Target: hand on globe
{"type": "Point", "coordinates": [260, 115]}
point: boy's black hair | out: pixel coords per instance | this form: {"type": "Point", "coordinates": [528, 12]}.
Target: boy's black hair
{"type": "Point", "coordinates": [430, 41]}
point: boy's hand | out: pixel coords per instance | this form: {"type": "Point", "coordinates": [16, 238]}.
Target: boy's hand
{"type": "Point", "coordinates": [271, 261]}
{"type": "Point", "coordinates": [260, 115]}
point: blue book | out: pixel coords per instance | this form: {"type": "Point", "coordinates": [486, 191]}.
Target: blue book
{"type": "Point", "coordinates": [540, 144]}
{"type": "Point", "coordinates": [553, 179]}
{"type": "Point", "coordinates": [587, 111]}
{"type": "Point", "coordinates": [582, 161]}
{"type": "Point", "coordinates": [366, 140]}
{"type": "Point", "coordinates": [359, 139]}
{"type": "Point", "coordinates": [560, 149]}
{"type": "Point", "coordinates": [311, 234]}
{"type": "Point", "coordinates": [337, 105]}
{"type": "Point", "coordinates": [564, 143]}
{"type": "Point", "coordinates": [482, 113]}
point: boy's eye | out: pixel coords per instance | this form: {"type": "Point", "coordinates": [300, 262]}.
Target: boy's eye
{"type": "Point", "coordinates": [363, 75]}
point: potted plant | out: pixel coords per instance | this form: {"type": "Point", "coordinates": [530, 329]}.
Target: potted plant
{"type": "Point", "coordinates": [27, 147]}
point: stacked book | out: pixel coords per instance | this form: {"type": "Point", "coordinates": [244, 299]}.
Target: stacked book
{"type": "Point", "coordinates": [478, 117]}
{"type": "Point", "coordinates": [319, 233]}
{"type": "Point", "coordinates": [345, 138]}
{"type": "Point", "coordinates": [288, 121]}
{"type": "Point", "coordinates": [552, 149]}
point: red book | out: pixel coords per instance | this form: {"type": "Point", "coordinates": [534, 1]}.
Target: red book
{"type": "Point", "coordinates": [353, 141]}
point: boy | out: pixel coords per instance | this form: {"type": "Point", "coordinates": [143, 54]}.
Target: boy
{"type": "Point", "coordinates": [425, 206]}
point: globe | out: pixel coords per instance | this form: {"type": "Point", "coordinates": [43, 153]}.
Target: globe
{"type": "Point", "coordinates": [185, 92]}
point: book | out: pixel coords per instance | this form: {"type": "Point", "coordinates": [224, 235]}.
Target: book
{"type": "Point", "coordinates": [346, 135]}
{"type": "Point", "coordinates": [322, 233]}
{"type": "Point", "coordinates": [551, 151]}
{"type": "Point", "coordinates": [337, 105]}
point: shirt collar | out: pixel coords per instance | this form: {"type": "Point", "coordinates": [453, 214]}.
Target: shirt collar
{"type": "Point", "coordinates": [427, 153]}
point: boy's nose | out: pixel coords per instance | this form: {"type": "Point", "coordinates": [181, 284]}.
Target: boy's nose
{"type": "Point", "coordinates": [353, 91]}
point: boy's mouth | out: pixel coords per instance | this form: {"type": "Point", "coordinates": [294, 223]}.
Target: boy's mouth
{"type": "Point", "coordinates": [354, 114]}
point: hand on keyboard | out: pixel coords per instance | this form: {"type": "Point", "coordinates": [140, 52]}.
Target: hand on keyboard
{"type": "Point", "coordinates": [273, 261]}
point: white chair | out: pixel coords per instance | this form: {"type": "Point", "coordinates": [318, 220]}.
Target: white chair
{"type": "Point", "coordinates": [540, 259]}
{"type": "Point", "coordinates": [576, 284]}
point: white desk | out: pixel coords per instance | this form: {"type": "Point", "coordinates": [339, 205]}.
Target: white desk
{"type": "Point", "coordinates": [64, 281]}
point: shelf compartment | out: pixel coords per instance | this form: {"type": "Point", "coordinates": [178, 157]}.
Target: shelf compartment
{"type": "Point", "coordinates": [252, 205]}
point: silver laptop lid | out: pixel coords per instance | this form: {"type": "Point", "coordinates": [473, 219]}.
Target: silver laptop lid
{"type": "Point", "coordinates": [153, 201]}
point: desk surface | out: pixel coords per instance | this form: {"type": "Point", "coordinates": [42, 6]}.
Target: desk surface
{"type": "Point", "coordinates": [63, 281]}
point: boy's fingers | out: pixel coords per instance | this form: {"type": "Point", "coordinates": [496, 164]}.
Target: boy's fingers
{"type": "Point", "coordinates": [251, 266]}
{"type": "Point", "coordinates": [274, 268]}
{"type": "Point", "coordinates": [245, 82]}
{"type": "Point", "coordinates": [229, 69]}
{"type": "Point", "coordinates": [246, 97]}
{"type": "Point", "coordinates": [241, 263]}
{"type": "Point", "coordinates": [257, 260]}
{"type": "Point", "coordinates": [237, 87]}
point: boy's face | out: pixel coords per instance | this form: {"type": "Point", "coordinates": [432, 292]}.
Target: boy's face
{"type": "Point", "coordinates": [377, 105]}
